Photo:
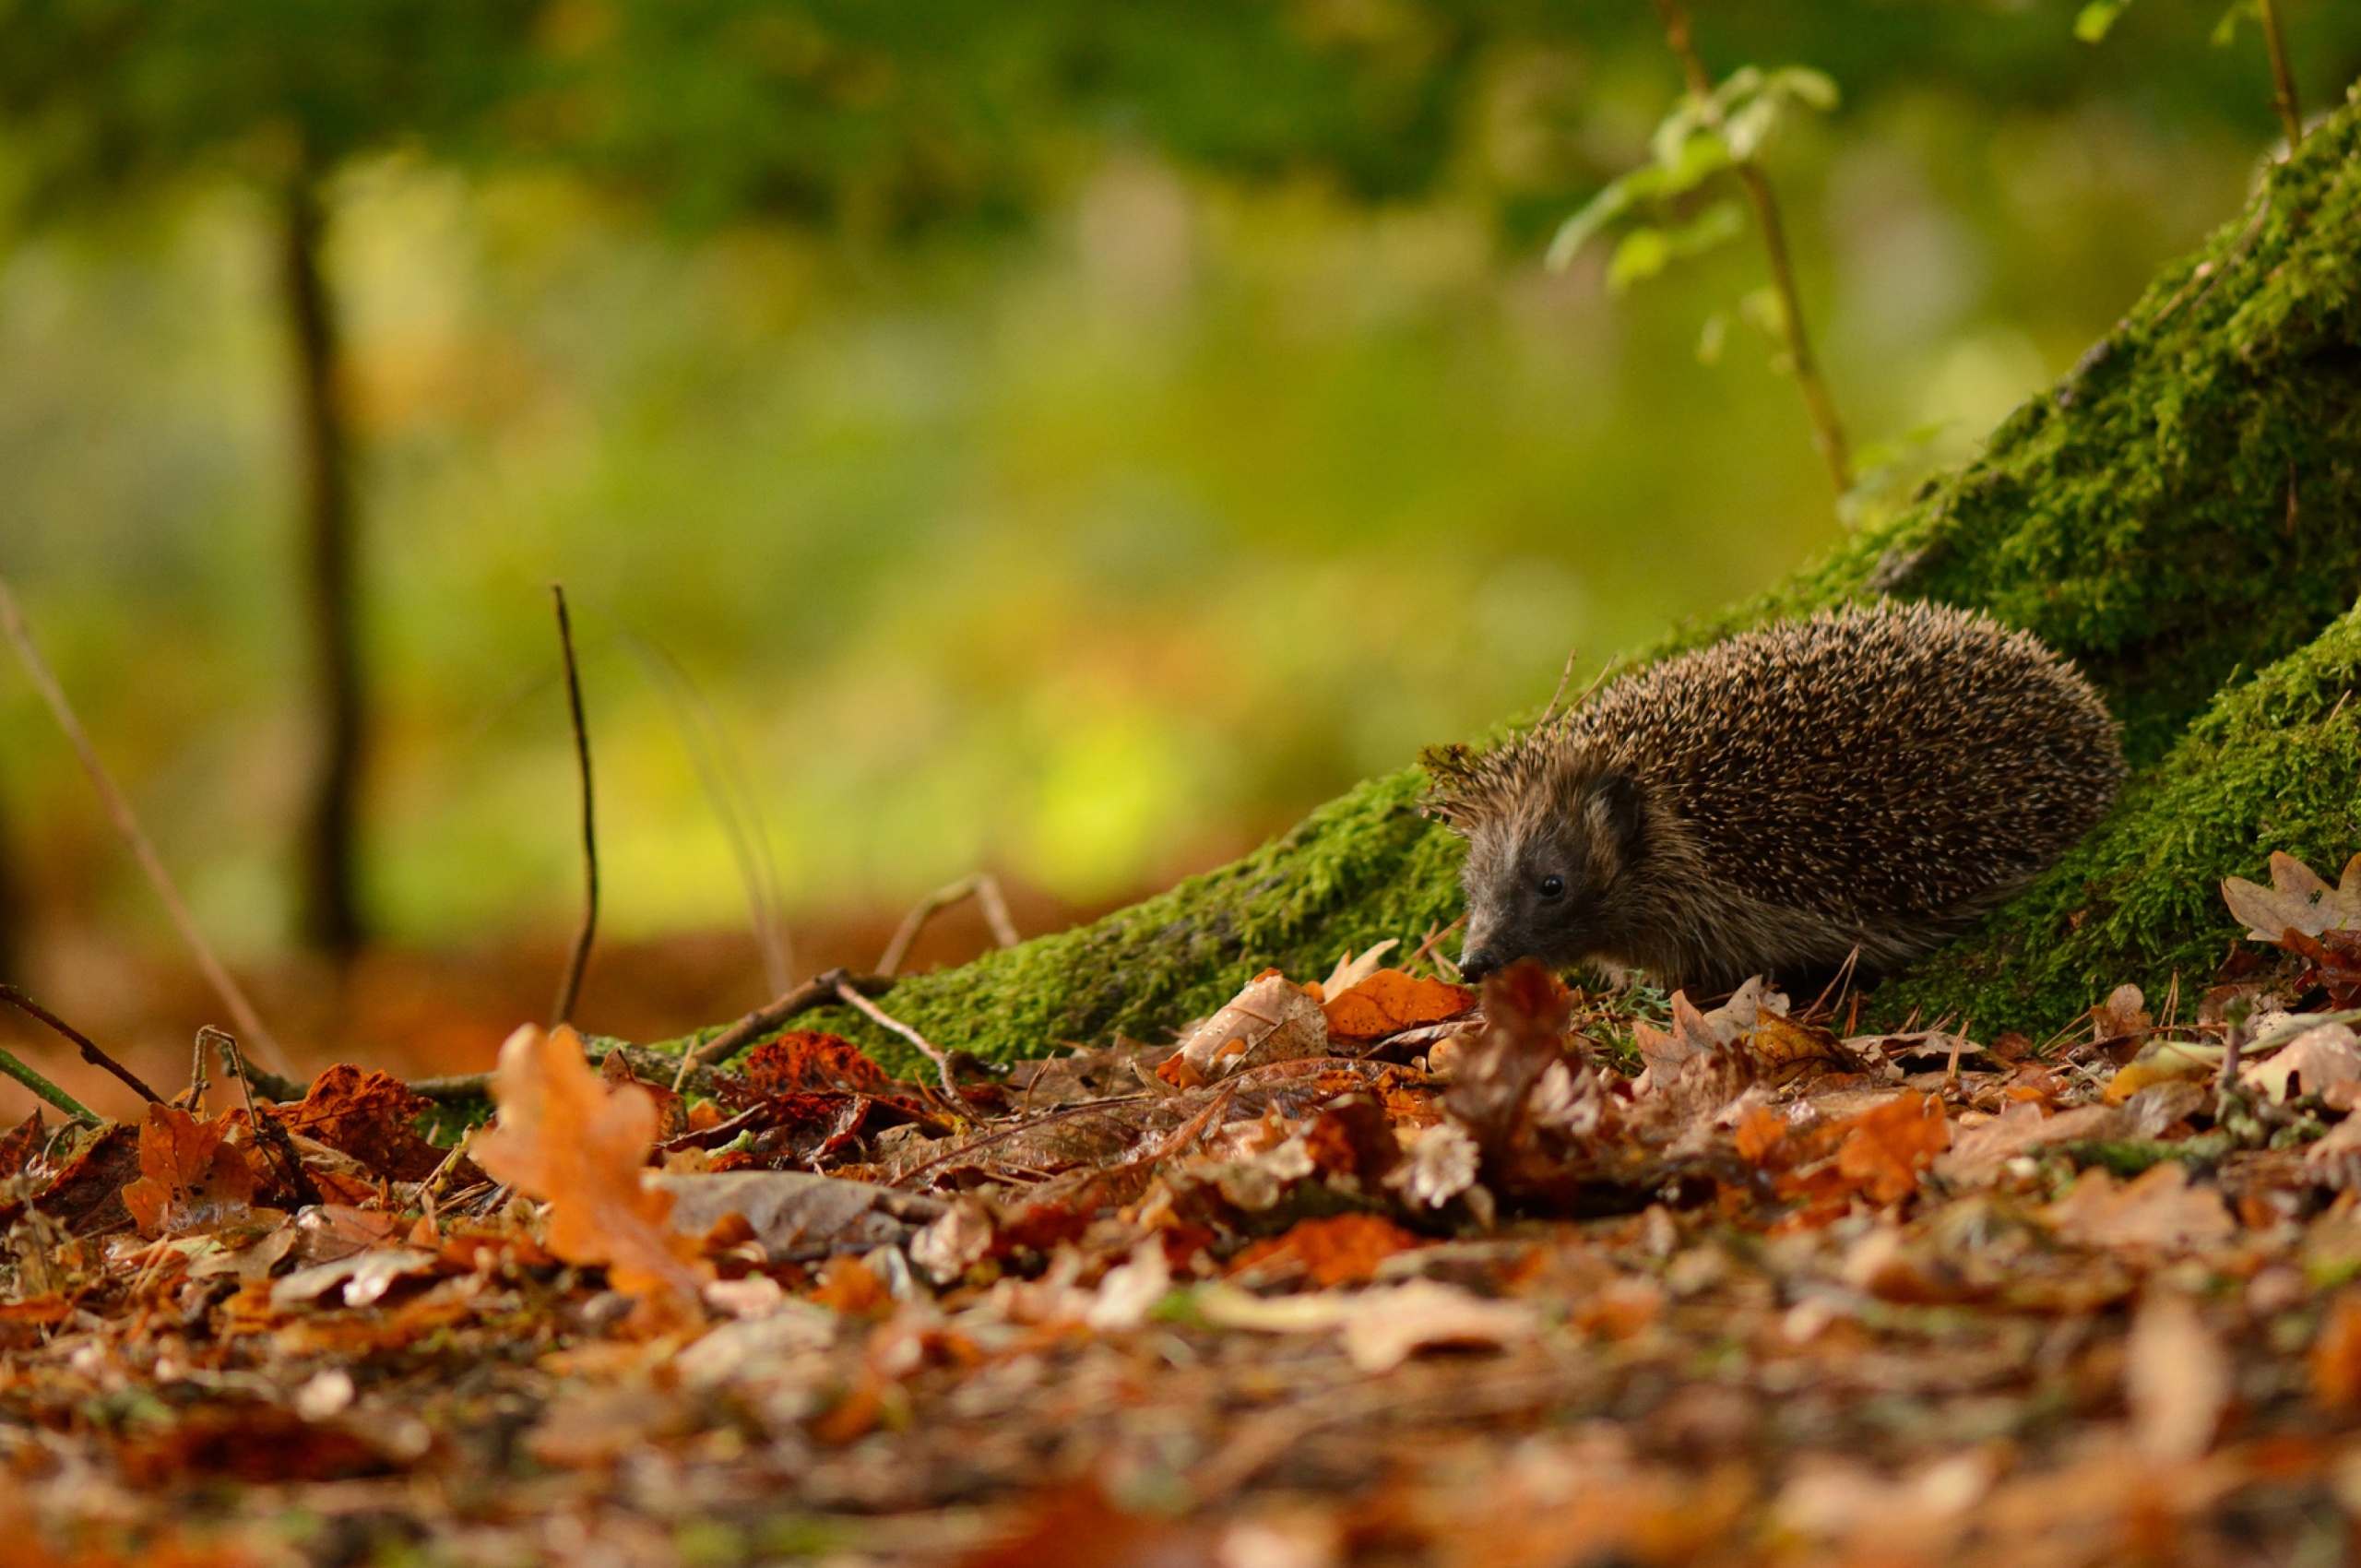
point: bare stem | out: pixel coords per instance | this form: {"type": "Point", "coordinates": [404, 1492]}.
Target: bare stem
{"type": "Point", "coordinates": [47, 1090]}
{"type": "Point", "coordinates": [570, 990]}
{"type": "Point", "coordinates": [845, 993]}
{"type": "Point", "coordinates": [91, 1052]}
{"type": "Point", "coordinates": [1827, 429]}
{"type": "Point", "coordinates": [2283, 79]}
{"type": "Point", "coordinates": [983, 888]}
{"type": "Point", "coordinates": [118, 809]}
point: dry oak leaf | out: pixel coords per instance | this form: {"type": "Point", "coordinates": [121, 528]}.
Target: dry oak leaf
{"type": "Point", "coordinates": [1388, 1001]}
{"type": "Point", "coordinates": [190, 1178]}
{"type": "Point", "coordinates": [2320, 1056]}
{"type": "Point", "coordinates": [2296, 900]}
{"type": "Point", "coordinates": [564, 1136]}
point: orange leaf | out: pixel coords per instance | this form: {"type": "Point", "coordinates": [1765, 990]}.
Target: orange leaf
{"type": "Point", "coordinates": [189, 1179]}
{"type": "Point", "coordinates": [1889, 1146]}
{"type": "Point", "coordinates": [1760, 1134]}
{"type": "Point", "coordinates": [1342, 1249]}
{"type": "Point", "coordinates": [1389, 1000]}
{"type": "Point", "coordinates": [565, 1137]}
{"type": "Point", "coordinates": [2336, 1356]}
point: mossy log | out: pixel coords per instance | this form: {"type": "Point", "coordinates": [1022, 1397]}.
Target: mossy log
{"type": "Point", "coordinates": [2181, 515]}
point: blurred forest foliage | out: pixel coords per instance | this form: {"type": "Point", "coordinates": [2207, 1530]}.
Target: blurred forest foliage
{"type": "Point", "coordinates": [1058, 436]}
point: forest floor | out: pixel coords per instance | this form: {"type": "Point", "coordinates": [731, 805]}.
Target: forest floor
{"type": "Point", "coordinates": [1367, 1269]}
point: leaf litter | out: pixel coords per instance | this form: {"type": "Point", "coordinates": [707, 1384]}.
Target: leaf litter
{"type": "Point", "coordinates": [1368, 1269]}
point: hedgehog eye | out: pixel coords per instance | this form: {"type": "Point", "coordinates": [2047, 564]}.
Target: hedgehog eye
{"type": "Point", "coordinates": [1553, 887]}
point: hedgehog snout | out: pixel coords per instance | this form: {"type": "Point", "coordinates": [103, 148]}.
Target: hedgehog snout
{"type": "Point", "coordinates": [1475, 963]}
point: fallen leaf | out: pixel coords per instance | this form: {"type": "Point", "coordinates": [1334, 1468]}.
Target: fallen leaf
{"type": "Point", "coordinates": [1386, 1327]}
{"type": "Point", "coordinates": [2162, 1062]}
{"type": "Point", "coordinates": [1527, 1011]}
{"type": "Point", "coordinates": [1388, 1001]}
{"type": "Point", "coordinates": [802, 1061]}
{"type": "Point", "coordinates": [2175, 1378]}
{"type": "Point", "coordinates": [2158, 1210]}
{"type": "Point", "coordinates": [2322, 1056]}
{"type": "Point", "coordinates": [1890, 1146]}
{"type": "Point", "coordinates": [1342, 1249]}
{"type": "Point", "coordinates": [2336, 1354]}
{"type": "Point", "coordinates": [23, 1142]}
{"type": "Point", "coordinates": [564, 1137]}
{"type": "Point", "coordinates": [795, 1214]}
{"type": "Point", "coordinates": [190, 1177]}
{"type": "Point", "coordinates": [1350, 970]}
{"type": "Point", "coordinates": [372, 1117]}
{"type": "Point", "coordinates": [2296, 900]}
{"type": "Point", "coordinates": [1270, 1019]}
{"type": "Point", "coordinates": [1977, 1154]}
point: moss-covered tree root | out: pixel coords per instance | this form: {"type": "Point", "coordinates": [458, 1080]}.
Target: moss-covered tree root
{"type": "Point", "coordinates": [2181, 515]}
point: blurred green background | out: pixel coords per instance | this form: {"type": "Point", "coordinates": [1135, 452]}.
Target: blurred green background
{"type": "Point", "coordinates": [1064, 439]}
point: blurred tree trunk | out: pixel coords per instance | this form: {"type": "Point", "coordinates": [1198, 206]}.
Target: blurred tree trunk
{"type": "Point", "coordinates": [2181, 514]}
{"type": "Point", "coordinates": [330, 907]}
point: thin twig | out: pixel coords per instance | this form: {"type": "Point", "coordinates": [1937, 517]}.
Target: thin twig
{"type": "Point", "coordinates": [47, 1090]}
{"type": "Point", "coordinates": [91, 1052]}
{"type": "Point", "coordinates": [1828, 430]}
{"type": "Point", "coordinates": [816, 992]}
{"type": "Point", "coordinates": [845, 993]}
{"type": "Point", "coordinates": [570, 989]}
{"type": "Point", "coordinates": [266, 1128]}
{"type": "Point", "coordinates": [2283, 79]}
{"type": "Point", "coordinates": [118, 809]}
{"type": "Point", "coordinates": [983, 888]}
{"type": "Point", "coordinates": [1427, 948]}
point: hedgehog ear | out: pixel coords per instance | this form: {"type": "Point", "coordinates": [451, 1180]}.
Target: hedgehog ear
{"type": "Point", "coordinates": [1615, 798]}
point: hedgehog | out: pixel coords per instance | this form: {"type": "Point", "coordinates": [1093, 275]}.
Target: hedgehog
{"type": "Point", "coordinates": [1853, 789]}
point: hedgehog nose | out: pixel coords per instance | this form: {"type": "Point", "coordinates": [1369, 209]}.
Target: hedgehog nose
{"type": "Point", "coordinates": [1477, 962]}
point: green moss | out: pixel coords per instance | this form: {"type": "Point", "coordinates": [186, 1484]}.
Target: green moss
{"type": "Point", "coordinates": [2184, 507]}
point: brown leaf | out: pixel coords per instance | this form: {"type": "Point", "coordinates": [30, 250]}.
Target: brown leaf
{"type": "Point", "coordinates": [19, 1149]}
{"type": "Point", "coordinates": [1389, 1000]}
{"type": "Point", "coordinates": [1526, 1011]}
{"type": "Point", "coordinates": [371, 1116]}
{"type": "Point", "coordinates": [563, 1136]}
{"type": "Point", "coordinates": [189, 1178]}
{"type": "Point", "coordinates": [2157, 1211]}
{"type": "Point", "coordinates": [2176, 1379]}
{"type": "Point", "coordinates": [1270, 1019]}
{"type": "Point", "coordinates": [805, 1060]}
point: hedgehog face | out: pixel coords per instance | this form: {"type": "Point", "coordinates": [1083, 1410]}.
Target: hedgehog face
{"type": "Point", "coordinates": [1540, 882]}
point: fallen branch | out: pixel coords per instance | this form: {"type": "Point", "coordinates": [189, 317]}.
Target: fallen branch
{"type": "Point", "coordinates": [851, 997]}
{"type": "Point", "coordinates": [91, 1052]}
{"type": "Point", "coordinates": [983, 888]}
{"type": "Point", "coordinates": [570, 989]}
{"type": "Point", "coordinates": [118, 808]}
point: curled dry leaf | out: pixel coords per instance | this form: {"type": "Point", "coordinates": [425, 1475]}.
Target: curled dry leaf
{"type": "Point", "coordinates": [1272, 1019]}
{"type": "Point", "coordinates": [564, 1137]}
